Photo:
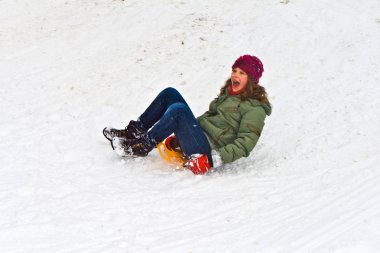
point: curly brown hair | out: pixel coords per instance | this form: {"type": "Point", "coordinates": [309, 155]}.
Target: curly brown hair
{"type": "Point", "coordinates": [252, 91]}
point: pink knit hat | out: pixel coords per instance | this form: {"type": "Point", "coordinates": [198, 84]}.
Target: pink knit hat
{"type": "Point", "coordinates": [251, 65]}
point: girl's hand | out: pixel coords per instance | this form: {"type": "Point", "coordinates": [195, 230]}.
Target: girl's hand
{"type": "Point", "coordinates": [198, 164]}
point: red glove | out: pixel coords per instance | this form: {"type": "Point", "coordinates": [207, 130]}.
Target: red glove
{"type": "Point", "coordinates": [198, 164]}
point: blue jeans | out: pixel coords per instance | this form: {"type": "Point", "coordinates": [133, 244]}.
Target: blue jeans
{"type": "Point", "coordinates": [168, 114]}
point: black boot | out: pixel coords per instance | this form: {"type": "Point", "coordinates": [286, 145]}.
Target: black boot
{"type": "Point", "coordinates": [133, 147]}
{"type": "Point", "coordinates": [110, 133]}
{"type": "Point", "coordinates": [133, 131]}
{"type": "Point", "coordinates": [136, 129]}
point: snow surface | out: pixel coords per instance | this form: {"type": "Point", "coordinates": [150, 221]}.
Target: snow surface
{"type": "Point", "coordinates": [68, 68]}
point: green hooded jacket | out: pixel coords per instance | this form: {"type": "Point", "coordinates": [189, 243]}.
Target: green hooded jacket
{"type": "Point", "coordinates": [234, 126]}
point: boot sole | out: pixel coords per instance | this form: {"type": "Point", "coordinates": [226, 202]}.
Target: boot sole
{"type": "Point", "coordinates": [105, 135]}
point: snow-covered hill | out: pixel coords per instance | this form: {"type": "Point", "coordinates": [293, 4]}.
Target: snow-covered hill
{"type": "Point", "coordinates": [69, 68]}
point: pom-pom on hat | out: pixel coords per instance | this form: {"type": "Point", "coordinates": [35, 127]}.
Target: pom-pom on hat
{"type": "Point", "coordinates": [251, 65]}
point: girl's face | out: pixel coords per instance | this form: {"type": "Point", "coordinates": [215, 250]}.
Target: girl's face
{"type": "Point", "coordinates": [239, 79]}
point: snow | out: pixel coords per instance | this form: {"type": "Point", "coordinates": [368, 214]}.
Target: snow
{"type": "Point", "coordinates": [70, 68]}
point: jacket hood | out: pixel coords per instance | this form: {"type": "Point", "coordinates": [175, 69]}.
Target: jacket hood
{"type": "Point", "coordinates": [267, 107]}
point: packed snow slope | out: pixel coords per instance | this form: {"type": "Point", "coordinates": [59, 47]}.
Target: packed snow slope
{"type": "Point", "coordinates": [69, 68]}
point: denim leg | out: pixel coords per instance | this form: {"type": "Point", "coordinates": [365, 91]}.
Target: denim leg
{"type": "Point", "coordinates": [158, 107]}
{"type": "Point", "coordinates": [180, 120]}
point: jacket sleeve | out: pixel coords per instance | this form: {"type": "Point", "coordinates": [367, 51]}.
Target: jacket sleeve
{"type": "Point", "coordinates": [211, 110]}
{"type": "Point", "coordinates": [250, 129]}
{"type": "Point", "coordinates": [207, 113]}
{"type": "Point", "coordinates": [203, 115]}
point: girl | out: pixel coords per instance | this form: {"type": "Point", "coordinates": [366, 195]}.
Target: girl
{"type": "Point", "coordinates": [226, 132]}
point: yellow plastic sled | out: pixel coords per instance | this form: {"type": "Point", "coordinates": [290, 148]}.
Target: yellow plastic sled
{"type": "Point", "coordinates": [171, 156]}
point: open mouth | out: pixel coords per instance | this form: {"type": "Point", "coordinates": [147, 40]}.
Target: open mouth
{"type": "Point", "coordinates": [235, 83]}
